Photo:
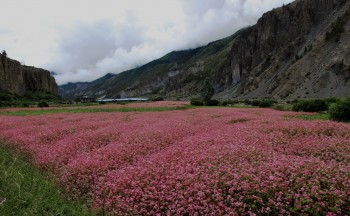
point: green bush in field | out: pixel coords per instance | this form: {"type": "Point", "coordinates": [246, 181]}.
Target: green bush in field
{"type": "Point", "coordinates": [156, 98]}
{"type": "Point", "coordinates": [267, 103]}
{"type": "Point", "coordinates": [230, 102]}
{"type": "Point", "coordinates": [340, 111]}
{"type": "Point", "coordinates": [254, 102]}
{"type": "Point", "coordinates": [212, 103]}
{"type": "Point", "coordinates": [5, 97]}
{"type": "Point", "coordinates": [197, 102]}
{"type": "Point", "coordinates": [43, 104]}
{"type": "Point", "coordinates": [5, 103]}
{"type": "Point", "coordinates": [25, 104]}
{"type": "Point", "coordinates": [227, 102]}
{"type": "Point", "coordinates": [310, 106]}
{"type": "Point", "coordinates": [332, 100]}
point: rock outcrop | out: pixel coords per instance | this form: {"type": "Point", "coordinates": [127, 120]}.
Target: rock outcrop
{"type": "Point", "coordinates": [18, 79]}
{"type": "Point", "coordinates": [286, 54]}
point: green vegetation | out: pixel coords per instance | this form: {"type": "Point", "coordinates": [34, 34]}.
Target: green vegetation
{"type": "Point", "coordinates": [282, 107]}
{"type": "Point", "coordinates": [30, 99]}
{"type": "Point", "coordinates": [26, 191]}
{"type": "Point", "coordinates": [197, 102]}
{"type": "Point", "coordinates": [328, 109]}
{"type": "Point", "coordinates": [310, 105]}
{"type": "Point", "coordinates": [156, 98]}
{"type": "Point", "coordinates": [43, 104]}
{"type": "Point", "coordinates": [212, 102]}
{"type": "Point", "coordinates": [317, 116]}
{"type": "Point", "coordinates": [261, 103]}
{"type": "Point", "coordinates": [340, 111]}
{"type": "Point", "coordinates": [91, 110]}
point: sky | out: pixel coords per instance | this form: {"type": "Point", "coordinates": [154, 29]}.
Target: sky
{"type": "Point", "coordinates": [82, 40]}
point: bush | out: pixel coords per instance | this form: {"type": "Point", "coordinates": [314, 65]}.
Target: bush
{"type": "Point", "coordinates": [156, 98]}
{"type": "Point", "coordinates": [267, 103]}
{"type": "Point", "coordinates": [197, 102]}
{"type": "Point", "coordinates": [254, 102]}
{"type": "Point", "coordinates": [212, 103]}
{"type": "Point", "coordinates": [340, 111]}
{"type": "Point", "coordinates": [5, 97]}
{"type": "Point", "coordinates": [332, 100]}
{"type": "Point", "coordinates": [5, 104]}
{"type": "Point", "coordinates": [43, 104]}
{"type": "Point", "coordinates": [248, 102]}
{"type": "Point", "coordinates": [101, 102]}
{"type": "Point", "coordinates": [310, 106]}
{"type": "Point", "coordinates": [282, 107]}
{"type": "Point", "coordinates": [227, 102]}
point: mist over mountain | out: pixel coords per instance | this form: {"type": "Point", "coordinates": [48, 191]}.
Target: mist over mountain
{"type": "Point", "coordinates": [87, 40]}
{"type": "Point", "coordinates": [298, 50]}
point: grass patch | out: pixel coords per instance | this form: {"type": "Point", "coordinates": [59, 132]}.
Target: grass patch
{"type": "Point", "coordinates": [316, 116]}
{"type": "Point", "coordinates": [91, 110]}
{"type": "Point", "coordinates": [26, 191]}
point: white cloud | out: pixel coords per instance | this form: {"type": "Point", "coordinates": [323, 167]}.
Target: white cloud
{"type": "Point", "coordinates": [84, 39]}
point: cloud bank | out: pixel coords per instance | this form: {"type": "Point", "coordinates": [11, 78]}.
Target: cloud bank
{"type": "Point", "coordinates": [84, 40]}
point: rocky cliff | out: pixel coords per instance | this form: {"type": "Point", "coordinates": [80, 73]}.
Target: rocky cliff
{"type": "Point", "coordinates": [19, 79]}
{"type": "Point", "coordinates": [293, 51]}
{"type": "Point", "coordinates": [300, 50]}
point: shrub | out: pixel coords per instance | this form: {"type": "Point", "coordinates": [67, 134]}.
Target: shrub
{"type": "Point", "coordinates": [156, 98]}
{"type": "Point", "coordinates": [248, 102]}
{"type": "Point", "coordinates": [212, 103]}
{"type": "Point", "coordinates": [282, 107]}
{"type": "Point", "coordinates": [254, 102]}
{"type": "Point", "coordinates": [5, 104]}
{"type": "Point", "coordinates": [101, 102]}
{"type": "Point", "coordinates": [332, 100]}
{"type": "Point", "coordinates": [5, 97]}
{"type": "Point", "coordinates": [43, 104]}
{"type": "Point", "coordinates": [340, 111]}
{"type": "Point", "coordinates": [267, 103]}
{"type": "Point", "coordinates": [310, 106]}
{"type": "Point", "coordinates": [227, 102]}
{"type": "Point", "coordinates": [197, 102]}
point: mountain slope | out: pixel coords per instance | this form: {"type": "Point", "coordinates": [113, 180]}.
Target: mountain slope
{"type": "Point", "coordinates": [295, 51]}
{"type": "Point", "coordinates": [179, 73]}
{"type": "Point", "coordinates": [287, 55]}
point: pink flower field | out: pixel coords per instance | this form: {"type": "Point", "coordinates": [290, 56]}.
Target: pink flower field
{"type": "Point", "coordinates": [207, 161]}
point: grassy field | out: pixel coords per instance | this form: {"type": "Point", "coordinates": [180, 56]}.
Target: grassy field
{"type": "Point", "coordinates": [26, 191]}
{"type": "Point", "coordinates": [90, 110]}
{"type": "Point", "coordinates": [316, 116]}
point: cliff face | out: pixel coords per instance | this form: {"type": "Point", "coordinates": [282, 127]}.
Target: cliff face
{"type": "Point", "coordinates": [286, 55]}
{"type": "Point", "coordinates": [19, 79]}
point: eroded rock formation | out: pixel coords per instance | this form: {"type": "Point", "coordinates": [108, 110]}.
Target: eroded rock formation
{"type": "Point", "coordinates": [19, 79]}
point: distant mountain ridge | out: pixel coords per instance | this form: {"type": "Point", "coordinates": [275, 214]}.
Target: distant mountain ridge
{"type": "Point", "coordinates": [296, 51]}
{"type": "Point", "coordinates": [20, 79]}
